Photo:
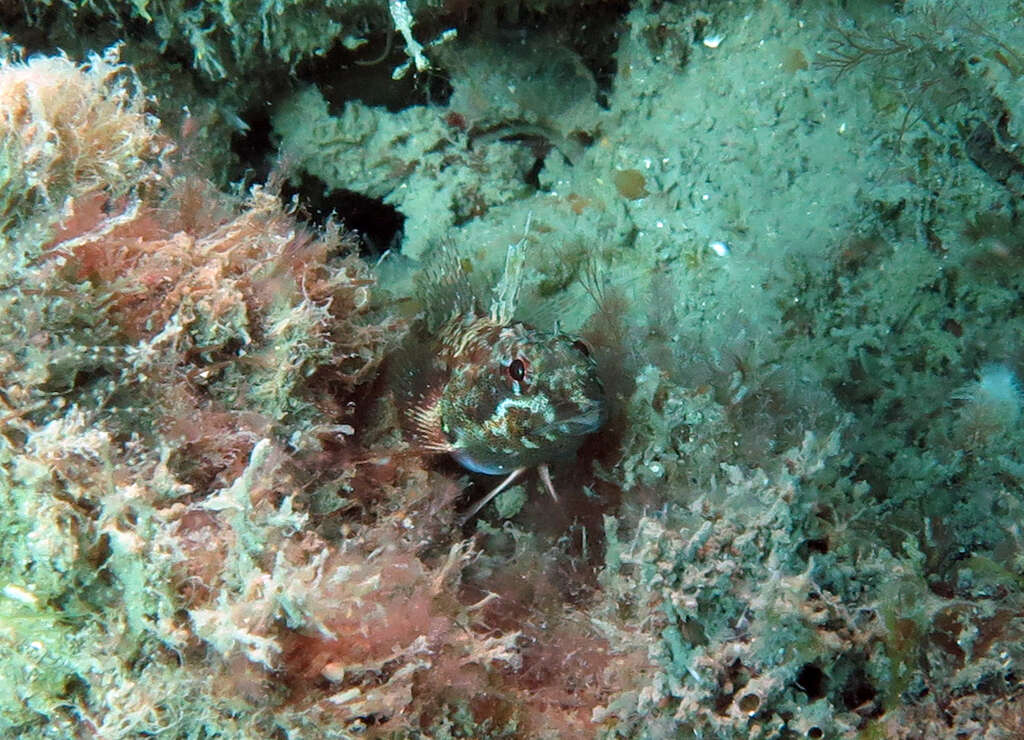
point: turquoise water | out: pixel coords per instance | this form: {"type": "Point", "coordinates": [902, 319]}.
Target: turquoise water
{"type": "Point", "coordinates": [787, 233]}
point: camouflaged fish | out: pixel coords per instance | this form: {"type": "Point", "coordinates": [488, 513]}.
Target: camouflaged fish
{"type": "Point", "coordinates": [500, 396]}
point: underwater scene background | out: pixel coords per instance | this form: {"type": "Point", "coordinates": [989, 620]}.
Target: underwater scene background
{"type": "Point", "coordinates": [788, 234]}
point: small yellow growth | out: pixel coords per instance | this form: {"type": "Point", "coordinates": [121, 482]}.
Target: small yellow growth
{"type": "Point", "coordinates": [631, 184]}
{"type": "Point", "coordinates": [793, 60]}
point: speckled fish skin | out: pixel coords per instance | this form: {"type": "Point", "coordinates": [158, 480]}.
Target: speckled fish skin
{"type": "Point", "coordinates": [496, 423]}
{"type": "Point", "coordinates": [500, 395]}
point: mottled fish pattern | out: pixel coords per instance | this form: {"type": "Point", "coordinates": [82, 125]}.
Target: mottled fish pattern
{"type": "Point", "coordinates": [498, 395]}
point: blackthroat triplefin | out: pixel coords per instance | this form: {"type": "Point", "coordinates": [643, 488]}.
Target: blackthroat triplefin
{"type": "Point", "coordinates": [500, 396]}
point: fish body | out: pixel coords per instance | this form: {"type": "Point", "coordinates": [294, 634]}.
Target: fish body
{"type": "Point", "coordinates": [501, 396]}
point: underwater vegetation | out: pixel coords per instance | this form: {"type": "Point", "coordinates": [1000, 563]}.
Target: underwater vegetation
{"type": "Point", "coordinates": [189, 434]}
{"type": "Point", "coordinates": [787, 234]}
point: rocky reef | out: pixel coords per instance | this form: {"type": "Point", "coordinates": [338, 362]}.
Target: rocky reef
{"type": "Point", "coordinates": [788, 232]}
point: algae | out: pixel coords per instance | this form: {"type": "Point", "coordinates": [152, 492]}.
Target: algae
{"type": "Point", "coordinates": [789, 234]}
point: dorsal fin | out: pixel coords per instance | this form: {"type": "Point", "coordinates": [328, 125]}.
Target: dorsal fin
{"type": "Point", "coordinates": [445, 289]}
{"type": "Point", "coordinates": [506, 292]}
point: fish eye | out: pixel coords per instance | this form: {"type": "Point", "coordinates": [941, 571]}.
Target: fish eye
{"type": "Point", "coordinates": [517, 370]}
{"type": "Point", "coordinates": [582, 347]}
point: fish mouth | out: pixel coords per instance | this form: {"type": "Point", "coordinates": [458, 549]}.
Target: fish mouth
{"type": "Point", "coordinates": [475, 465]}
{"type": "Point", "coordinates": [587, 419]}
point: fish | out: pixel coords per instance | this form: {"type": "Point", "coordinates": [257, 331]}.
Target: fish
{"type": "Point", "coordinates": [498, 395]}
